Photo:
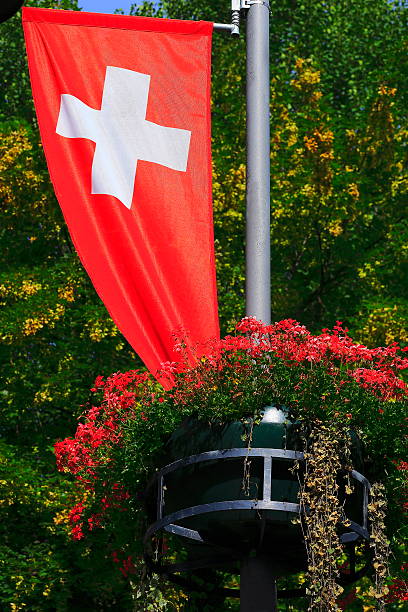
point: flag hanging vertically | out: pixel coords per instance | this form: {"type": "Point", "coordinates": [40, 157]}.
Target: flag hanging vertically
{"type": "Point", "coordinates": [123, 106]}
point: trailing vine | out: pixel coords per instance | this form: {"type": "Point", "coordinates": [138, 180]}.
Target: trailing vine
{"type": "Point", "coordinates": [377, 510]}
{"type": "Point", "coordinates": [321, 514]}
{"type": "Point", "coordinates": [327, 455]}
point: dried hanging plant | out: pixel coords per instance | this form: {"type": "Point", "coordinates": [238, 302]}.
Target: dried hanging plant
{"type": "Point", "coordinates": [377, 510]}
{"type": "Point", "coordinates": [322, 512]}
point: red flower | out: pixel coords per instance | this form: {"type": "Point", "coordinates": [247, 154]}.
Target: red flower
{"type": "Point", "coordinates": [77, 532]}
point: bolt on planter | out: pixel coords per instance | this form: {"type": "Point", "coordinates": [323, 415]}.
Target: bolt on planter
{"type": "Point", "coordinates": [229, 501]}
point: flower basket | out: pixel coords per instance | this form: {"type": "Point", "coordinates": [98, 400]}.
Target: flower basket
{"type": "Point", "coordinates": [239, 498]}
{"type": "Point", "coordinates": [231, 490]}
{"type": "Point", "coordinates": [231, 477]}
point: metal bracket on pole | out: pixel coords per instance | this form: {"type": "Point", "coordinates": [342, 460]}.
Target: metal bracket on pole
{"type": "Point", "coordinates": [232, 27]}
{"type": "Point", "coordinates": [246, 4]}
{"type": "Point", "coordinates": [236, 7]}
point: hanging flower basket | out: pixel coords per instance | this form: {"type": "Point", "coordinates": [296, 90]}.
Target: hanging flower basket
{"type": "Point", "coordinates": [231, 487]}
{"type": "Point", "coordinates": [234, 471]}
{"type": "Point", "coordinates": [238, 495]}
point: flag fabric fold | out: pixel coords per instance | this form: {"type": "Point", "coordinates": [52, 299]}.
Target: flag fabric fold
{"type": "Point", "coordinates": [123, 106]}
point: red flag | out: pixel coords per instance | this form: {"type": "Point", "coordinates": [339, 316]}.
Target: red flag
{"type": "Point", "coordinates": [123, 105]}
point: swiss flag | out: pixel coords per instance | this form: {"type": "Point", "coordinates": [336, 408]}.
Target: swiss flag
{"type": "Point", "coordinates": [123, 105]}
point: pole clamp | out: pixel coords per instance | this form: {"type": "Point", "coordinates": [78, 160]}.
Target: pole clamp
{"type": "Point", "coordinates": [238, 5]}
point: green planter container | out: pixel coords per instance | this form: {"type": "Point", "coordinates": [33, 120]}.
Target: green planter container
{"type": "Point", "coordinates": [240, 531]}
{"type": "Point", "coordinates": [227, 500]}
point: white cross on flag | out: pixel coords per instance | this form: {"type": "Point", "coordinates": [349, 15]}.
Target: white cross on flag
{"type": "Point", "coordinates": [123, 109]}
{"type": "Point", "coordinates": [122, 134]}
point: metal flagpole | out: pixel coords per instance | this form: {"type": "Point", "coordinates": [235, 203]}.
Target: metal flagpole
{"type": "Point", "coordinates": [258, 582]}
{"type": "Point", "coordinates": [258, 276]}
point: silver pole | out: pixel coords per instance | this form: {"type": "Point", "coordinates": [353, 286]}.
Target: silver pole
{"type": "Point", "coordinates": [258, 275]}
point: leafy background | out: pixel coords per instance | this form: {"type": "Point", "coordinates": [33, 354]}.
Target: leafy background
{"type": "Point", "coordinates": [339, 73]}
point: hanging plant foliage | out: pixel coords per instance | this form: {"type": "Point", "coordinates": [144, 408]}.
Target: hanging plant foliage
{"type": "Point", "coordinates": [334, 387]}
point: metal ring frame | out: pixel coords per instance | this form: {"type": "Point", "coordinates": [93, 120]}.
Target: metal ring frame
{"type": "Point", "coordinates": [169, 522]}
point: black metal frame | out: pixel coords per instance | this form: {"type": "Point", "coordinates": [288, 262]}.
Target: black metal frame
{"type": "Point", "coordinates": [225, 556]}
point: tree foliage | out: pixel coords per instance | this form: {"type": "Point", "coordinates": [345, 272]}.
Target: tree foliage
{"type": "Point", "coordinates": [339, 94]}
